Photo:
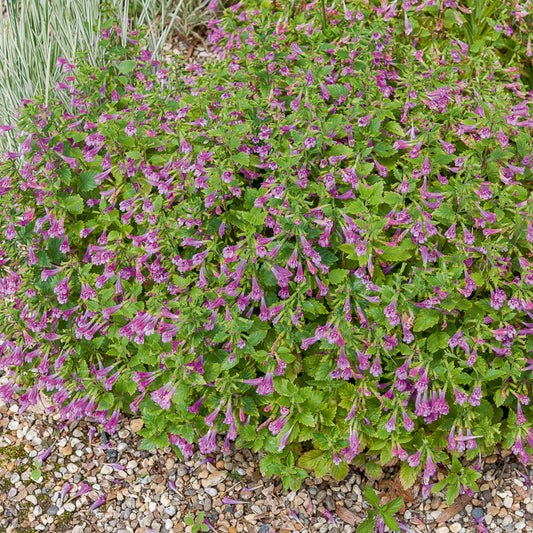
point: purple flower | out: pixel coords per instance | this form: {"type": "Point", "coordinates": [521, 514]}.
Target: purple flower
{"type": "Point", "coordinates": [284, 439]}
{"type": "Point", "coordinates": [195, 407]}
{"type": "Point", "coordinates": [475, 397]}
{"type": "Point", "coordinates": [497, 299]}
{"type": "Point", "coordinates": [112, 423]}
{"type": "Point", "coordinates": [390, 426]}
{"type": "Point", "coordinates": [84, 489]}
{"type": "Point", "coordinates": [414, 460]}
{"type": "Point", "coordinates": [208, 443]}
{"type": "Point", "coordinates": [62, 290]}
{"type": "Point", "coordinates": [163, 396]}
{"type": "Point", "coordinates": [100, 501]}
{"type": "Point", "coordinates": [130, 129]}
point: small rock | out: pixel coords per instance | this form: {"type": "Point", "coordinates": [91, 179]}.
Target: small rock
{"type": "Point", "coordinates": [52, 510]}
{"type": "Point", "coordinates": [491, 459]}
{"type": "Point", "coordinates": [313, 491]}
{"type": "Point", "coordinates": [12, 493]}
{"type": "Point", "coordinates": [232, 529]}
{"type": "Point", "coordinates": [106, 470]}
{"type": "Point", "coordinates": [136, 425]}
{"type": "Point", "coordinates": [66, 450]}
{"type": "Point", "coordinates": [321, 496]}
{"type": "Point", "coordinates": [520, 525]}
{"type": "Point", "coordinates": [78, 529]}
{"type": "Point", "coordinates": [211, 491]}
{"type": "Point", "coordinates": [455, 527]}
{"type": "Point", "coordinates": [37, 510]}
{"type": "Point", "coordinates": [104, 438]}
{"type": "Point", "coordinates": [435, 502]}
{"type": "Point", "coordinates": [508, 502]}
{"type": "Point", "coordinates": [214, 479]}
{"type": "Point", "coordinates": [171, 510]}
{"type": "Point", "coordinates": [265, 528]}
{"type": "Point", "coordinates": [477, 513]}
{"type": "Point", "coordinates": [112, 455]}
{"type": "Point", "coordinates": [442, 529]}
{"type": "Point", "coordinates": [15, 478]}
{"type": "Point", "coordinates": [70, 508]}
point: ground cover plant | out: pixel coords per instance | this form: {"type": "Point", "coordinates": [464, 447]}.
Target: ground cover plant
{"type": "Point", "coordinates": [320, 247]}
{"type": "Point", "coordinates": [35, 33]}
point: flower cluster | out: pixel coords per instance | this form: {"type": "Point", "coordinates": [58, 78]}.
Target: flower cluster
{"type": "Point", "coordinates": [321, 238]}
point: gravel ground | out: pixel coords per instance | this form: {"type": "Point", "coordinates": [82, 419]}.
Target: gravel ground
{"type": "Point", "coordinates": [143, 491]}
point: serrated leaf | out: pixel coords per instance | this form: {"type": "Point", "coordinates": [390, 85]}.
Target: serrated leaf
{"type": "Point", "coordinates": [74, 204]}
{"type": "Point", "coordinates": [396, 253]}
{"type": "Point", "coordinates": [408, 475]}
{"type": "Point", "coordinates": [367, 526]}
{"type": "Point", "coordinates": [257, 336]}
{"type": "Point", "coordinates": [394, 506]}
{"type": "Point", "coordinates": [241, 158]}
{"type": "Point", "coordinates": [340, 471]}
{"type": "Point", "coordinates": [309, 459]}
{"type": "Point", "coordinates": [426, 319]}
{"type": "Point", "coordinates": [337, 275]}
{"type": "Point", "coordinates": [65, 174]}
{"type": "Point", "coordinates": [373, 470]}
{"type": "Point", "coordinates": [248, 433]}
{"type": "Point", "coordinates": [126, 66]}
{"type": "Point", "coordinates": [390, 522]}
{"type": "Point", "coordinates": [86, 180]}
{"type": "Point", "coordinates": [371, 496]}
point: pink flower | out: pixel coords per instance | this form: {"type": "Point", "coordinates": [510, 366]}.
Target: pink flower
{"type": "Point", "coordinates": [208, 443]}
{"type": "Point", "coordinates": [163, 396]}
{"type": "Point", "coordinates": [284, 439]}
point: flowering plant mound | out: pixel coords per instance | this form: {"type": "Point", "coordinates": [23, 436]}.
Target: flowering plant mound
{"type": "Point", "coordinates": [321, 243]}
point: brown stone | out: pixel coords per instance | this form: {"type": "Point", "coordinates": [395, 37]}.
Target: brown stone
{"type": "Point", "coordinates": [136, 425]}
{"type": "Point", "coordinates": [232, 529]}
{"type": "Point", "coordinates": [67, 450]}
{"type": "Point", "coordinates": [503, 512]}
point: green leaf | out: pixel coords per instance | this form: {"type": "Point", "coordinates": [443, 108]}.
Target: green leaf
{"type": "Point", "coordinates": [86, 180]}
{"type": "Point", "coordinates": [257, 336]}
{"type": "Point", "coordinates": [371, 496]}
{"type": "Point", "coordinates": [373, 470]}
{"type": "Point", "coordinates": [337, 275]}
{"type": "Point", "coordinates": [248, 432]}
{"type": "Point", "coordinates": [426, 319]}
{"type": "Point", "coordinates": [393, 506]}
{"type": "Point", "coordinates": [126, 66]}
{"type": "Point", "coordinates": [309, 459]}
{"type": "Point", "coordinates": [397, 253]}
{"type": "Point", "coordinates": [390, 522]}
{"type": "Point", "coordinates": [74, 204]}
{"type": "Point", "coordinates": [65, 174]}
{"type": "Point", "coordinates": [367, 526]}
{"type": "Point", "coordinates": [36, 474]}
{"type": "Point", "coordinates": [340, 471]}
{"type": "Point", "coordinates": [241, 158]}
{"type": "Point", "coordinates": [408, 475]}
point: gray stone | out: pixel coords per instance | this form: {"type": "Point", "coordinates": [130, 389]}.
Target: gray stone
{"type": "Point", "coordinates": [477, 513]}
{"type": "Point", "coordinates": [211, 491]}
{"type": "Point", "coordinates": [171, 510]}
{"type": "Point", "coordinates": [52, 510]}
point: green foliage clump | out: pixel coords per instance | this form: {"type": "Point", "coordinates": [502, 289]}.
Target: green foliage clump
{"type": "Point", "coordinates": [318, 245]}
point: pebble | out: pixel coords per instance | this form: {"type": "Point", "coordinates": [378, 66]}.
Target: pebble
{"type": "Point", "coordinates": [136, 425]}
{"type": "Point", "coordinates": [214, 479]}
{"type": "Point", "coordinates": [211, 491]}
{"type": "Point", "coordinates": [171, 510]}
{"type": "Point", "coordinates": [52, 510]}
{"type": "Point", "coordinates": [455, 527]}
{"type": "Point", "coordinates": [477, 513]}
